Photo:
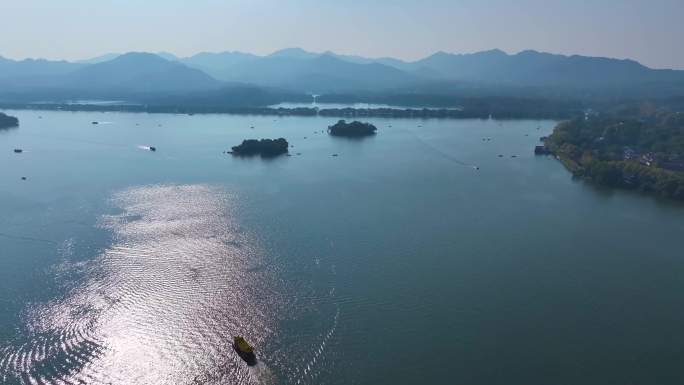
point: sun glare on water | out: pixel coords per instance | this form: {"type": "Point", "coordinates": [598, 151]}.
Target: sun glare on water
{"type": "Point", "coordinates": [158, 306]}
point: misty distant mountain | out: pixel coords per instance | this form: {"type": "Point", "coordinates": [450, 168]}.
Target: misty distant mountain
{"type": "Point", "coordinates": [299, 69]}
{"type": "Point", "coordinates": [296, 69]}
{"type": "Point", "coordinates": [218, 65]}
{"type": "Point", "coordinates": [124, 77]}
{"type": "Point", "coordinates": [136, 73]}
{"type": "Point", "coordinates": [111, 56]}
{"type": "Point", "coordinates": [324, 73]}
{"type": "Point", "coordinates": [99, 59]}
{"type": "Point", "coordinates": [30, 68]}
{"type": "Point", "coordinates": [525, 69]}
{"type": "Point", "coordinates": [388, 61]}
{"type": "Point", "coordinates": [167, 55]}
{"type": "Point", "coordinates": [532, 68]}
{"type": "Point", "coordinates": [294, 53]}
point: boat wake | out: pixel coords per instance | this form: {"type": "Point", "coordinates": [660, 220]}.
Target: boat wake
{"type": "Point", "coordinates": [261, 374]}
{"type": "Point", "coordinates": [311, 372]}
{"type": "Point", "coordinates": [443, 153]}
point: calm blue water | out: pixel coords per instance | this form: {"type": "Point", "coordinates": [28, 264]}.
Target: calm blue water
{"type": "Point", "coordinates": [396, 262]}
{"type": "Point", "coordinates": [355, 105]}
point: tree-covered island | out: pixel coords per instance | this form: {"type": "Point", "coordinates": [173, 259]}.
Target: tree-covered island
{"type": "Point", "coordinates": [7, 121]}
{"type": "Point", "coordinates": [263, 147]}
{"type": "Point", "coordinates": [353, 129]}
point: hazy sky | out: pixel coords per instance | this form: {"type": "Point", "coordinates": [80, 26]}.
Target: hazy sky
{"type": "Point", "coordinates": [648, 31]}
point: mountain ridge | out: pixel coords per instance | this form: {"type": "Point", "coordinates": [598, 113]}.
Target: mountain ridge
{"type": "Point", "coordinates": [297, 70]}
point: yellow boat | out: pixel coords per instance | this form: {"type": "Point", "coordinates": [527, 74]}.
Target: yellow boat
{"type": "Point", "coordinates": [244, 350]}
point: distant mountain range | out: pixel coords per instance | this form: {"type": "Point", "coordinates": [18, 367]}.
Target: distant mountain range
{"type": "Point", "coordinates": [139, 73]}
{"type": "Point", "coordinates": [31, 68]}
{"type": "Point", "coordinates": [296, 71]}
{"type": "Point", "coordinates": [129, 76]}
{"type": "Point", "coordinates": [532, 68]}
{"type": "Point", "coordinates": [296, 68]}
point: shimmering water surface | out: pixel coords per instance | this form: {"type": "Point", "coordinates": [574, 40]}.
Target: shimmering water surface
{"type": "Point", "coordinates": [415, 256]}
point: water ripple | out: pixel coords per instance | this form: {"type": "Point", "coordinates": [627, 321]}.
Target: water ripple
{"type": "Point", "coordinates": [160, 305]}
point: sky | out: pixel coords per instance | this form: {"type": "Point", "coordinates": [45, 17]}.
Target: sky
{"type": "Point", "coordinates": [647, 31]}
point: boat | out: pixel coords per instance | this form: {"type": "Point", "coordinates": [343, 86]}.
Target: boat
{"type": "Point", "coordinates": [244, 350]}
{"type": "Point", "coordinates": [18, 150]}
{"type": "Point", "coordinates": [152, 148]}
{"type": "Point", "coordinates": [95, 122]}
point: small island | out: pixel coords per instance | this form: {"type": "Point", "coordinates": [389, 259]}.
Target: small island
{"type": "Point", "coordinates": [263, 147]}
{"type": "Point", "coordinates": [7, 121]}
{"type": "Point", "coordinates": [353, 129]}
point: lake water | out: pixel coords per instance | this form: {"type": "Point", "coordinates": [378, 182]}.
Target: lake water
{"type": "Point", "coordinates": [396, 262]}
{"type": "Point", "coordinates": [89, 102]}
{"type": "Point", "coordinates": [356, 106]}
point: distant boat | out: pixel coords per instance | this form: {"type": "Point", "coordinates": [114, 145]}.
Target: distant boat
{"type": "Point", "coordinates": [244, 350]}
{"type": "Point", "coordinates": [152, 148]}
{"type": "Point", "coordinates": [96, 123]}
{"type": "Point", "coordinates": [18, 150]}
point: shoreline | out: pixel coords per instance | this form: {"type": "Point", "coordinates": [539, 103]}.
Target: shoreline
{"type": "Point", "coordinates": [393, 113]}
{"type": "Point", "coordinates": [629, 175]}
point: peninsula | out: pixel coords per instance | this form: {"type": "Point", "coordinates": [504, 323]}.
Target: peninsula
{"type": "Point", "coordinates": [633, 150]}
